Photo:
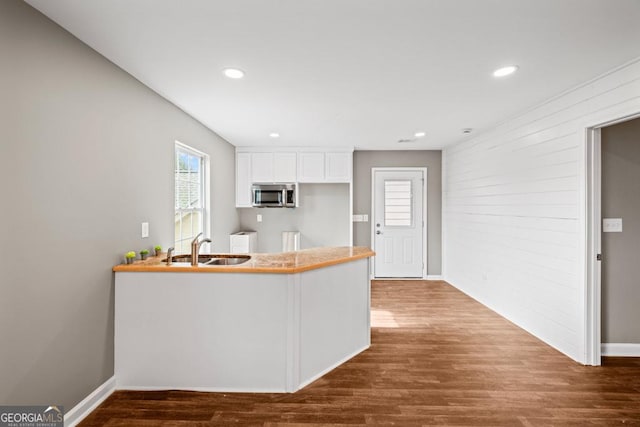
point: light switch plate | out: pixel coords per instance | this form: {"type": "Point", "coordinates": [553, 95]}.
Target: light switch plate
{"type": "Point", "coordinates": [259, 217]}
{"type": "Point", "coordinates": [145, 229]}
{"type": "Point", "coordinates": [365, 218]}
{"type": "Point", "coordinates": [357, 218]}
{"type": "Point", "coordinates": [611, 225]}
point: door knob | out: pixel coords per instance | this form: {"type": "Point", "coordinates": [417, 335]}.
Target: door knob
{"type": "Point", "coordinates": [378, 232]}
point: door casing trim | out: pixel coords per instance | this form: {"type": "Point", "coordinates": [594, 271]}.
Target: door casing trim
{"type": "Point", "coordinates": [425, 254]}
{"type": "Point", "coordinates": [593, 235]}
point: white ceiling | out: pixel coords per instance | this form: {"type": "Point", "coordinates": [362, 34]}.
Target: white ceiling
{"type": "Point", "coordinates": [361, 73]}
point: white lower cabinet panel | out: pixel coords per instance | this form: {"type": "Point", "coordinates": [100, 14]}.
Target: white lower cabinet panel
{"type": "Point", "coordinates": [238, 332]}
{"type": "Point", "coordinates": [334, 318]}
{"type": "Point", "coordinates": [200, 331]}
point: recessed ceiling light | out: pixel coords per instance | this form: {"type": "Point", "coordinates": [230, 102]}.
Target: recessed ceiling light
{"type": "Point", "coordinates": [274, 135]}
{"type": "Point", "coordinates": [233, 73]}
{"type": "Point", "coordinates": [505, 71]}
{"type": "Point", "coordinates": [419, 134]}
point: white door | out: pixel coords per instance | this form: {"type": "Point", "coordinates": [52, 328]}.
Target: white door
{"type": "Point", "coordinates": [398, 223]}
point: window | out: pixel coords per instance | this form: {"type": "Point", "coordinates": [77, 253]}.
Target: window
{"type": "Point", "coordinates": [191, 182]}
{"type": "Point", "coordinates": [398, 203]}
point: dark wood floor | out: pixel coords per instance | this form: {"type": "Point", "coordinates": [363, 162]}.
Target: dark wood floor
{"type": "Point", "coordinates": [437, 358]}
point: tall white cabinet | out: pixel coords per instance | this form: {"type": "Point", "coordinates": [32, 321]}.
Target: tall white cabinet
{"type": "Point", "coordinates": [243, 179]}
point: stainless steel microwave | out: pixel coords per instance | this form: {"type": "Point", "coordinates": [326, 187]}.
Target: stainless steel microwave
{"type": "Point", "coordinates": [274, 195]}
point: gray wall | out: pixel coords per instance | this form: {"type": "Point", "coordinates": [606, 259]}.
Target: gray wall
{"type": "Point", "coordinates": [363, 161]}
{"type": "Point", "coordinates": [322, 219]}
{"type": "Point", "coordinates": [87, 155]}
{"type": "Point", "coordinates": [621, 251]}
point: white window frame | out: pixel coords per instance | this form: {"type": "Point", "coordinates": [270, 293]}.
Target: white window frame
{"type": "Point", "coordinates": [204, 189]}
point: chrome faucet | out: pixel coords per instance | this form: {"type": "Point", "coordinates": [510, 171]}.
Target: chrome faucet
{"type": "Point", "coordinates": [169, 256]}
{"type": "Point", "coordinates": [195, 248]}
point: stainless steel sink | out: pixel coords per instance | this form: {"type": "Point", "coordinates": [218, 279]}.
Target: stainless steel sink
{"type": "Point", "coordinates": [186, 259]}
{"type": "Point", "coordinates": [209, 259]}
{"type": "Point", "coordinates": [235, 260]}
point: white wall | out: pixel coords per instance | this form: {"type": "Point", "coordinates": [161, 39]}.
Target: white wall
{"type": "Point", "coordinates": [322, 218]}
{"type": "Point", "coordinates": [514, 210]}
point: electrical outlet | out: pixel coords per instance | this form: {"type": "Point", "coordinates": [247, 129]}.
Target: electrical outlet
{"type": "Point", "coordinates": [259, 217]}
{"type": "Point", "coordinates": [357, 218]}
{"type": "Point", "coordinates": [145, 229]}
{"type": "Point", "coordinates": [365, 218]}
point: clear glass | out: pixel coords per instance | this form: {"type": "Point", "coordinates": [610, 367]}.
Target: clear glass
{"type": "Point", "coordinates": [189, 198]}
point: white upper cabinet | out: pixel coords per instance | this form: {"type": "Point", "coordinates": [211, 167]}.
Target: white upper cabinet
{"type": "Point", "coordinates": [262, 167]}
{"type": "Point", "coordinates": [273, 167]}
{"type": "Point", "coordinates": [310, 167]}
{"type": "Point", "coordinates": [337, 166]}
{"type": "Point", "coordinates": [325, 166]}
{"type": "Point", "coordinates": [284, 164]}
{"type": "Point", "coordinates": [285, 167]}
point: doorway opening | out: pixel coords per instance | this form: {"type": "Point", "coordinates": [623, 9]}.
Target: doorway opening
{"type": "Point", "coordinates": [595, 347]}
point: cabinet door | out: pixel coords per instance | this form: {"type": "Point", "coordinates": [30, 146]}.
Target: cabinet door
{"type": "Point", "coordinates": [310, 167]}
{"type": "Point", "coordinates": [243, 180]}
{"type": "Point", "coordinates": [285, 167]}
{"type": "Point", "coordinates": [338, 167]}
{"type": "Point", "coordinates": [262, 167]}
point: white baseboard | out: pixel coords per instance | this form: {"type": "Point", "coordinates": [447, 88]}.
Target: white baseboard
{"type": "Point", "coordinates": [89, 403]}
{"type": "Point", "coordinates": [330, 368]}
{"type": "Point", "coordinates": [620, 350]}
{"type": "Point", "coordinates": [409, 279]}
{"type": "Point", "coordinates": [201, 389]}
{"type": "Point", "coordinates": [244, 390]}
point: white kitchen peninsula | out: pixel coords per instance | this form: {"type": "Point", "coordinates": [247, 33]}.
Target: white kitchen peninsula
{"type": "Point", "coordinates": [273, 324]}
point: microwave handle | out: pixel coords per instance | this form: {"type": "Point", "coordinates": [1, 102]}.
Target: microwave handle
{"type": "Point", "coordinates": [284, 197]}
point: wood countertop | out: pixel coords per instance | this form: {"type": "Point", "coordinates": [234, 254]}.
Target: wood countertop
{"type": "Point", "coordinates": [282, 263]}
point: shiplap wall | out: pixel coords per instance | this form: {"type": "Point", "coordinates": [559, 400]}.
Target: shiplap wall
{"type": "Point", "coordinates": [514, 210]}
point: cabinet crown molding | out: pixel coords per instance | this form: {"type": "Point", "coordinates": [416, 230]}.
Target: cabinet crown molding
{"type": "Point", "coordinates": [276, 149]}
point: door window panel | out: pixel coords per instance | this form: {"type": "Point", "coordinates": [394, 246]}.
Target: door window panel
{"type": "Point", "coordinates": [398, 203]}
